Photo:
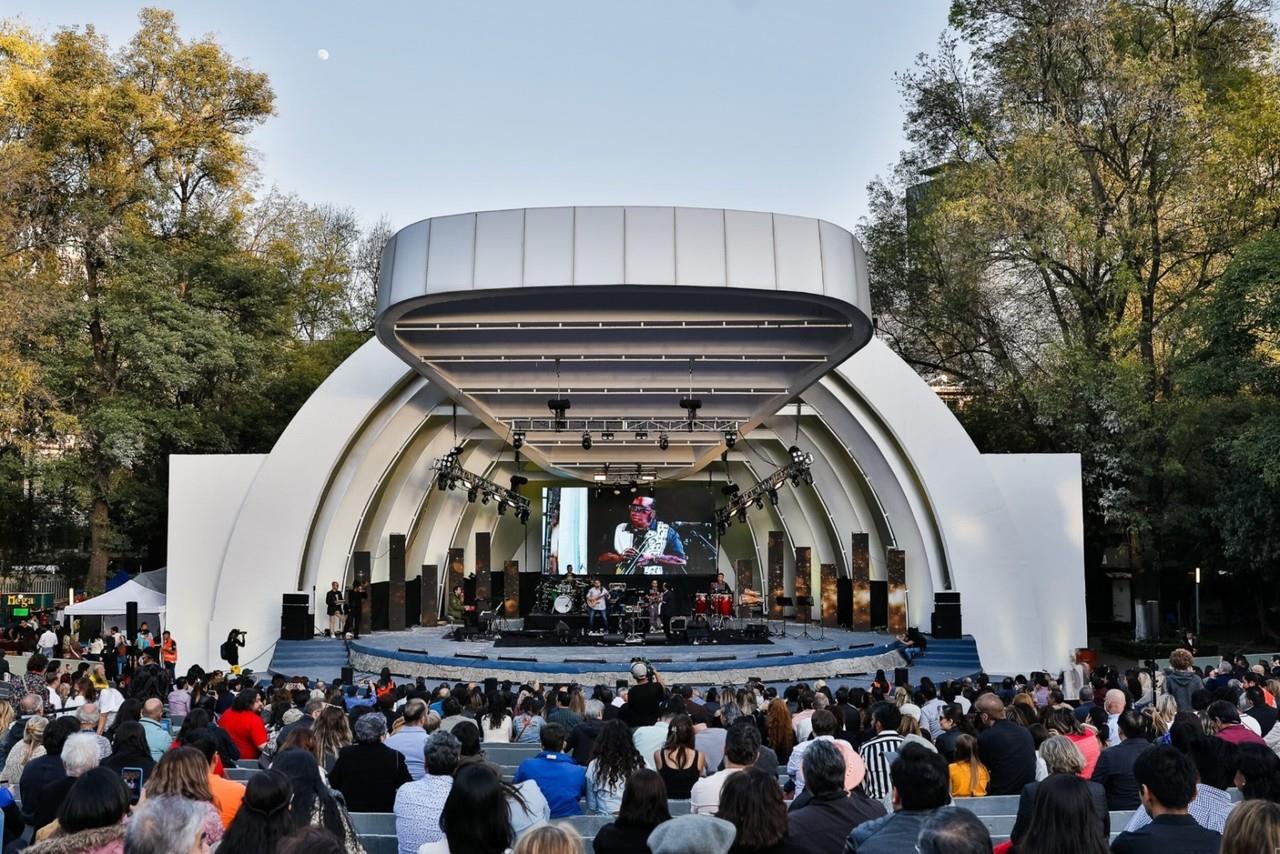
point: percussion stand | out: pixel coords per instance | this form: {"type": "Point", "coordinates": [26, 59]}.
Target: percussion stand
{"type": "Point", "coordinates": [806, 602]}
{"type": "Point", "coordinates": [783, 602]}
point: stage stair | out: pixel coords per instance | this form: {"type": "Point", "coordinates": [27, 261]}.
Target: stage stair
{"type": "Point", "coordinates": [319, 658]}
{"type": "Point", "coordinates": [953, 655]}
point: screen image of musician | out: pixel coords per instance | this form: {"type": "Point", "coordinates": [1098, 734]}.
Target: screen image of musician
{"type": "Point", "coordinates": [643, 544]}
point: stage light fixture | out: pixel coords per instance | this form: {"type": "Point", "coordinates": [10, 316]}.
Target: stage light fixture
{"type": "Point", "coordinates": [691, 405]}
{"type": "Point", "coordinates": [795, 480]}
{"type": "Point", "coordinates": [502, 507]}
{"type": "Point", "coordinates": [663, 441]}
{"type": "Point", "coordinates": [442, 482]}
{"type": "Point", "coordinates": [759, 502]}
{"type": "Point", "coordinates": [730, 438]}
{"type": "Point", "coordinates": [729, 488]}
{"type": "Point", "coordinates": [517, 439]}
{"type": "Point", "coordinates": [742, 514]}
{"type": "Point", "coordinates": [599, 477]}
{"type": "Point", "coordinates": [808, 477]}
{"type": "Point", "coordinates": [648, 476]}
{"type": "Point", "coordinates": [641, 435]}
{"type": "Point", "coordinates": [606, 435]}
{"type": "Point", "coordinates": [797, 455]}
{"type": "Point", "coordinates": [524, 515]}
{"type": "Point", "coordinates": [617, 490]}
{"type": "Point", "coordinates": [559, 406]}
{"type": "Point", "coordinates": [722, 527]}
{"type": "Point", "coordinates": [471, 495]}
{"type": "Point", "coordinates": [486, 498]}
{"type": "Point", "coordinates": [773, 497]}
{"type": "Point", "coordinates": [633, 487]}
{"type": "Point", "coordinates": [517, 481]}
{"type": "Point", "coordinates": [586, 440]}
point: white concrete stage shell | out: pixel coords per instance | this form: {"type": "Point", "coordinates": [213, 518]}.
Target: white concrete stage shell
{"type": "Point", "coordinates": [891, 460]}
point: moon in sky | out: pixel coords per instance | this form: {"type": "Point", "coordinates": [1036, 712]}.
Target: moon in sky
{"type": "Point", "coordinates": [323, 54]}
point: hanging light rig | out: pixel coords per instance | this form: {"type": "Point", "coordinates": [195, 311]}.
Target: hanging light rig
{"type": "Point", "coordinates": [450, 475]}
{"type": "Point", "coordinates": [740, 501]}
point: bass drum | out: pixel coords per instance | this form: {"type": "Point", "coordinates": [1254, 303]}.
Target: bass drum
{"type": "Point", "coordinates": [563, 604]}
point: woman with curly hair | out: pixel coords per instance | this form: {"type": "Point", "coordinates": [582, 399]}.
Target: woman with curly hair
{"type": "Point", "coordinates": [778, 732]}
{"type": "Point", "coordinates": [333, 732]}
{"type": "Point", "coordinates": [614, 758]}
{"type": "Point", "coordinates": [313, 803]}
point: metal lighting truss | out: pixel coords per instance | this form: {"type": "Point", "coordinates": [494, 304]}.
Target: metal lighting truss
{"type": "Point", "coordinates": [450, 475]}
{"type": "Point", "coordinates": [765, 489]}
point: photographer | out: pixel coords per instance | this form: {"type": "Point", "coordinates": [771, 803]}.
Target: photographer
{"type": "Point", "coordinates": [645, 698]}
{"type": "Point", "coordinates": [230, 650]}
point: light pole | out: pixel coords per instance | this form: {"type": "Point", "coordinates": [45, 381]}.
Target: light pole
{"type": "Point", "coordinates": [1197, 604]}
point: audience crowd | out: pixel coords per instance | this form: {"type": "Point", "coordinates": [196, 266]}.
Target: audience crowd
{"type": "Point", "coordinates": [119, 754]}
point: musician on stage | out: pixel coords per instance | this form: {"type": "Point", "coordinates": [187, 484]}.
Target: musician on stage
{"type": "Point", "coordinates": [657, 600]}
{"type": "Point", "coordinates": [642, 544]}
{"type": "Point", "coordinates": [720, 585]}
{"type": "Point", "coordinates": [597, 605]}
{"type": "Point", "coordinates": [455, 610]}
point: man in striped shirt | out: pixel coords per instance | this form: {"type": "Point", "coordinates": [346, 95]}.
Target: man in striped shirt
{"type": "Point", "coordinates": [879, 752]}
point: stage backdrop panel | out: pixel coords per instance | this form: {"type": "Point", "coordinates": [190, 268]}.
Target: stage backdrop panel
{"type": "Point", "coordinates": [395, 592]}
{"type": "Point", "coordinates": [428, 588]}
{"type": "Point", "coordinates": [829, 593]}
{"type": "Point", "coordinates": [361, 570]}
{"type": "Point", "coordinates": [861, 564]}
{"type": "Point", "coordinates": [777, 542]}
{"type": "Point", "coordinates": [511, 587]}
{"type": "Point", "coordinates": [745, 572]}
{"type": "Point", "coordinates": [484, 589]}
{"type": "Point", "coordinates": [804, 564]}
{"type": "Point", "coordinates": [896, 566]}
{"type": "Point", "coordinates": [457, 568]}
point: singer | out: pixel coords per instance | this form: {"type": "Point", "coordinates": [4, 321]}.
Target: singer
{"type": "Point", "coordinates": [642, 544]}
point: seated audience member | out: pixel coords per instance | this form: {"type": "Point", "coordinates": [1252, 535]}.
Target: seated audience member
{"type": "Point", "coordinates": [528, 724]}
{"type": "Point", "coordinates": [614, 759]}
{"type": "Point", "coordinates": [470, 747]}
{"type": "Point", "coordinates": [1226, 717]}
{"type": "Point", "coordinates": [313, 803]}
{"type": "Point", "coordinates": [368, 772]}
{"type": "Point", "coordinates": [227, 794]}
{"type": "Point", "coordinates": [1257, 773]}
{"type": "Point", "coordinates": [693, 834]}
{"type": "Point", "coordinates": [920, 787]}
{"type": "Point", "coordinates": [1064, 818]}
{"type": "Point", "coordinates": [561, 780]}
{"type": "Point", "coordinates": [309, 840]}
{"type": "Point", "coordinates": [644, 807]}
{"type": "Point", "coordinates": [1215, 762]}
{"type": "Point", "coordinates": [474, 818]}
{"type": "Point", "coordinates": [741, 748]}
{"type": "Point", "coordinates": [1115, 766]}
{"type": "Point", "coordinates": [1167, 781]}
{"type": "Point", "coordinates": [650, 738]}
{"type": "Point", "coordinates": [263, 819]}
{"type": "Point", "coordinates": [29, 746]}
{"type": "Point", "coordinates": [1114, 703]}
{"type": "Point", "coordinates": [952, 830]}
{"type": "Point", "coordinates": [91, 817]}
{"type": "Point", "coordinates": [495, 723]}
{"type": "Point", "coordinates": [46, 770]}
{"type": "Point", "coordinates": [1253, 828]}
{"type": "Point", "coordinates": [166, 825]}
{"type": "Point", "coordinates": [823, 727]}
{"type": "Point", "coordinates": [1061, 721]}
{"type": "Point", "coordinates": [526, 807]}
{"type": "Point", "coordinates": [829, 813]}
{"type": "Point", "coordinates": [678, 760]}
{"type": "Point", "coordinates": [79, 754]}
{"type": "Point", "coordinates": [158, 738]}
{"type": "Point", "coordinates": [550, 839]}
{"type": "Point", "coordinates": [90, 718]}
{"type": "Point", "coordinates": [1061, 756]}
{"type": "Point", "coordinates": [130, 750]}
{"type": "Point", "coordinates": [878, 751]}
{"type": "Point", "coordinates": [969, 777]}
{"type": "Point", "coordinates": [583, 736]}
{"type": "Point", "coordinates": [411, 738]}
{"type": "Point", "coordinates": [419, 803]}
{"type": "Point", "coordinates": [184, 773]}
{"type": "Point", "coordinates": [752, 802]}
{"type": "Point", "coordinates": [1006, 749]}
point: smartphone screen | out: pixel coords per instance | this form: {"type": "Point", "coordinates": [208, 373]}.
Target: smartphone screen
{"type": "Point", "coordinates": [133, 781]}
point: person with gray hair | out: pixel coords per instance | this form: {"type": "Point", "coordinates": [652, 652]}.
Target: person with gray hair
{"type": "Point", "coordinates": [79, 754]}
{"type": "Point", "coordinates": [419, 803]}
{"type": "Point", "coordinates": [166, 825]}
{"type": "Point", "coordinates": [953, 830]}
{"type": "Point", "coordinates": [1061, 756]}
{"type": "Point", "coordinates": [89, 716]}
{"type": "Point", "coordinates": [823, 816]}
{"type": "Point", "coordinates": [582, 738]}
{"type": "Point", "coordinates": [368, 773]}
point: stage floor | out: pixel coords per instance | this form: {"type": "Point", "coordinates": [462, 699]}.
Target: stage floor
{"type": "Point", "coordinates": [840, 656]}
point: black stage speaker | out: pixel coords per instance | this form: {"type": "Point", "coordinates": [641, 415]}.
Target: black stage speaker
{"type": "Point", "coordinates": [844, 602]}
{"type": "Point", "coordinates": [348, 675]}
{"type": "Point", "coordinates": [756, 632]}
{"type": "Point", "coordinates": [131, 620]}
{"type": "Point", "coordinates": [879, 604]}
{"type": "Point", "coordinates": [946, 614]}
{"type": "Point", "coordinates": [295, 618]}
{"type": "Point", "coordinates": [901, 677]}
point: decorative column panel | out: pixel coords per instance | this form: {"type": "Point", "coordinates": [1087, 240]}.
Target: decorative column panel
{"type": "Point", "coordinates": [457, 566]}
{"type": "Point", "coordinates": [828, 602]}
{"type": "Point", "coordinates": [511, 587]}
{"type": "Point", "coordinates": [483, 587]}
{"type": "Point", "coordinates": [745, 576]}
{"type": "Point", "coordinates": [804, 565]}
{"type": "Point", "coordinates": [362, 571]}
{"type": "Point", "coordinates": [861, 564]}
{"type": "Point", "coordinates": [896, 563]}
{"type": "Point", "coordinates": [777, 543]}
{"type": "Point", "coordinates": [395, 589]}
{"type": "Point", "coordinates": [429, 588]}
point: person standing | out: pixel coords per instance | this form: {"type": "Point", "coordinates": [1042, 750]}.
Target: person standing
{"type": "Point", "coordinates": [333, 606]}
{"type": "Point", "coordinates": [355, 608]}
{"type": "Point", "coordinates": [169, 654]}
{"type": "Point", "coordinates": [597, 605]}
{"type": "Point", "coordinates": [48, 642]}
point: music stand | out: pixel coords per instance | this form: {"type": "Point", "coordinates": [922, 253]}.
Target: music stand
{"type": "Point", "coordinates": [806, 603]}
{"type": "Point", "coordinates": [783, 602]}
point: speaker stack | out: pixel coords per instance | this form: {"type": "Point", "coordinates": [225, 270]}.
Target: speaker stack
{"type": "Point", "coordinates": [946, 614]}
{"type": "Point", "coordinates": [295, 617]}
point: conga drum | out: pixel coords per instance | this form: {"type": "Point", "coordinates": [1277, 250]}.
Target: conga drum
{"type": "Point", "coordinates": [723, 604]}
{"type": "Point", "coordinates": [700, 604]}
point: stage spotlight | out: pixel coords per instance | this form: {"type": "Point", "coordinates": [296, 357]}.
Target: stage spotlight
{"type": "Point", "coordinates": [559, 406]}
{"type": "Point", "coordinates": [795, 480]}
{"type": "Point", "coordinates": [633, 487]}
{"type": "Point", "coordinates": [641, 435]}
{"type": "Point", "coordinates": [759, 502]}
{"type": "Point", "coordinates": [442, 481]}
{"type": "Point", "coordinates": [617, 490]}
{"type": "Point", "coordinates": [599, 477]}
{"type": "Point", "coordinates": [586, 440]}
{"type": "Point", "coordinates": [502, 507]}
{"type": "Point", "coordinates": [730, 438]}
{"type": "Point", "coordinates": [663, 441]}
{"type": "Point", "coordinates": [773, 497]}
{"type": "Point", "coordinates": [453, 483]}
{"type": "Point", "coordinates": [729, 488]}
{"type": "Point", "coordinates": [487, 497]}
{"type": "Point", "coordinates": [797, 455]}
{"type": "Point", "coordinates": [517, 481]}
{"type": "Point", "coordinates": [524, 515]}
{"type": "Point", "coordinates": [722, 527]}
{"type": "Point", "coordinates": [471, 495]}
{"type": "Point", "coordinates": [607, 435]}
{"type": "Point", "coordinates": [742, 514]}
{"type": "Point", "coordinates": [517, 439]}
{"type": "Point", "coordinates": [808, 477]}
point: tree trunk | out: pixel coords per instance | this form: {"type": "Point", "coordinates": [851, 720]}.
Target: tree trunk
{"type": "Point", "coordinates": [99, 526]}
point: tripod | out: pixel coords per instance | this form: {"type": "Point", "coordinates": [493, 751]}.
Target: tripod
{"type": "Point", "coordinates": [783, 602]}
{"type": "Point", "coordinates": [806, 603]}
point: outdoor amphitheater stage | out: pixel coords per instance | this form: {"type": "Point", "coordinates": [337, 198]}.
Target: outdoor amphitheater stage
{"type": "Point", "coordinates": [839, 656]}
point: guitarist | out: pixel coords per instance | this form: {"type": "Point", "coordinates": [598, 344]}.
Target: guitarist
{"type": "Point", "coordinates": [642, 544]}
{"type": "Point", "coordinates": [597, 603]}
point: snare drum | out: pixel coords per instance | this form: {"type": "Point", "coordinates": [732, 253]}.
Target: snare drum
{"type": "Point", "coordinates": [700, 604]}
{"type": "Point", "coordinates": [563, 604]}
{"type": "Point", "coordinates": [722, 604]}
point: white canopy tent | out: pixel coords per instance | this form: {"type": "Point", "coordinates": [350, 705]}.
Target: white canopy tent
{"type": "Point", "coordinates": [151, 603]}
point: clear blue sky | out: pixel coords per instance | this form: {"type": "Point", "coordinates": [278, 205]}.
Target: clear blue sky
{"type": "Point", "coordinates": [427, 108]}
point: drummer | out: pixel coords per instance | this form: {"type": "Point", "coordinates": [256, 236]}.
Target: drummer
{"type": "Point", "coordinates": [720, 585]}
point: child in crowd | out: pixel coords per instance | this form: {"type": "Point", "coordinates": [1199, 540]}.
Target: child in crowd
{"type": "Point", "coordinates": [969, 777]}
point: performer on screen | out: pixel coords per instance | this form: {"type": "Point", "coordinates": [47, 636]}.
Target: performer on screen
{"type": "Point", "coordinates": [720, 585]}
{"type": "Point", "coordinates": [642, 544]}
{"type": "Point", "coordinates": [597, 605]}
